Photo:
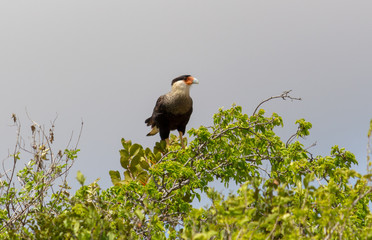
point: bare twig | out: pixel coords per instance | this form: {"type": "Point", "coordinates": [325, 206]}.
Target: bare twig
{"type": "Point", "coordinates": [285, 95]}
{"type": "Point", "coordinates": [18, 207]}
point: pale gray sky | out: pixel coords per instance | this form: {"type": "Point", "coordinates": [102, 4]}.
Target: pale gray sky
{"type": "Point", "coordinates": [106, 62]}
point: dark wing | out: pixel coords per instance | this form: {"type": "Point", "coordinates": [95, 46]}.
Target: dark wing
{"type": "Point", "coordinates": [158, 109]}
{"type": "Point", "coordinates": [183, 120]}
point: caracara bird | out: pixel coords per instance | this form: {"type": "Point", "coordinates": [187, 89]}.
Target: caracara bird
{"type": "Point", "coordinates": [173, 110]}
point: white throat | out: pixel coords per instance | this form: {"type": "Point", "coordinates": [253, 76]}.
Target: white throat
{"type": "Point", "coordinates": [180, 88]}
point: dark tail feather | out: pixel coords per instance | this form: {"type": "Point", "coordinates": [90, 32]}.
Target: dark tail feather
{"type": "Point", "coordinates": [153, 131]}
{"type": "Point", "coordinates": [148, 121]}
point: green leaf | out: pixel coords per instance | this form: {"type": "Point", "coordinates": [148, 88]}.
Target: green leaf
{"type": "Point", "coordinates": [135, 169]}
{"type": "Point", "coordinates": [198, 196]}
{"type": "Point", "coordinates": [80, 177]}
{"type": "Point", "coordinates": [127, 176]}
{"type": "Point", "coordinates": [115, 177]}
{"type": "Point", "coordinates": [126, 144]}
{"type": "Point", "coordinates": [124, 158]}
{"type": "Point", "coordinates": [160, 147]}
{"type": "Point", "coordinates": [157, 157]}
{"type": "Point", "coordinates": [143, 177]}
{"type": "Point", "coordinates": [134, 149]}
{"type": "Point", "coordinates": [144, 164]}
{"type": "Point", "coordinates": [136, 159]}
{"type": "Point", "coordinates": [308, 178]}
{"type": "Point", "coordinates": [139, 214]}
{"type": "Point", "coordinates": [71, 153]}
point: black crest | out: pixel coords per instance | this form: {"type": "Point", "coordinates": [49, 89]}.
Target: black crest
{"type": "Point", "coordinates": [183, 77]}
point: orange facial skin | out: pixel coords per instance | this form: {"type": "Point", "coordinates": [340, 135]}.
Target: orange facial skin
{"type": "Point", "coordinates": [189, 80]}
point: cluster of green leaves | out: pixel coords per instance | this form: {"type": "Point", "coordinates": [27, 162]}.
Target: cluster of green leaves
{"type": "Point", "coordinates": [264, 210]}
{"type": "Point", "coordinates": [25, 204]}
{"type": "Point", "coordinates": [301, 196]}
{"type": "Point", "coordinates": [136, 161]}
{"type": "Point", "coordinates": [285, 191]}
{"type": "Point", "coordinates": [27, 189]}
{"type": "Point", "coordinates": [298, 196]}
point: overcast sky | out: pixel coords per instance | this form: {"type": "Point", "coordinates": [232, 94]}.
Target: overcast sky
{"type": "Point", "coordinates": [106, 63]}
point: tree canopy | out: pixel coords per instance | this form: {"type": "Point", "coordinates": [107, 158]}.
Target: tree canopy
{"type": "Point", "coordinates": [285, 191]}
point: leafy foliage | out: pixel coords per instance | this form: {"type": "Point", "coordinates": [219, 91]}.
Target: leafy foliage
{"type": "Point", "coordinates": [285, 192]}
{"type": "Point", "coordinates": [28, 195]}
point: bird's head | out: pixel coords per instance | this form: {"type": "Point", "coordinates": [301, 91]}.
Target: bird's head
{"type": "Point", "coordinates": [182, 84]}
{"type": "Point", "coordinates": [185, 79]}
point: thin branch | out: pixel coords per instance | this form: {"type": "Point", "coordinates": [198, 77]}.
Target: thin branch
{"type": "Point", "coordinates": [290, 139]}
{"type": "Point", "coordinates": [329, 235]}
{"type": "Point", "coordinates": [18, 209]}
{"type": "Point", "coordinates": [273, 230]}
{"type": "Point", "coordinates": [80, 132]}
{"type": "Point", "coordinates": [285, 95]}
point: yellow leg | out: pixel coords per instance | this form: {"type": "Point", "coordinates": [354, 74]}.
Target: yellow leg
{"type": "Point", "coordinates": [167, 141]}
{"type": "Point", "coordinates": [181, 138]}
